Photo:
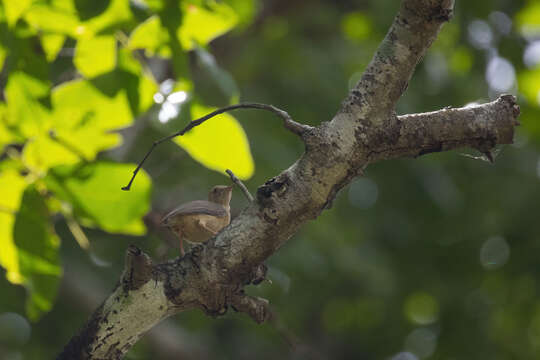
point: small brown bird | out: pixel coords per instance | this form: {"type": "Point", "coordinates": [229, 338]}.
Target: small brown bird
{"type": "Point", "coordinates": [199, 220]}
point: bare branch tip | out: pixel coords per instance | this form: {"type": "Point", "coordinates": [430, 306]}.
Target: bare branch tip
{"type": "Point", "coordinates": [240, 184]}
{"type": "Point", "coordinates": [257, 308]}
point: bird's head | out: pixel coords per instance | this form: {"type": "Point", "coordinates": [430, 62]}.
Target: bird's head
{"type": "Point", "coordinates": [221, 194]}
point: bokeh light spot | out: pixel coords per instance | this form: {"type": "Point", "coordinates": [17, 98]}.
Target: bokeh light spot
{"type": "Point", "coordinates": [405, 355]}
{"type": "Point", "coordinates": [500, 74]}
{"type": "Point", "coordinates": [494, 253]}
{"type": "Point", "coordinates": [356, 26]}
{"type": "Point", "coordinates": [363, 193]}
{"type": "Point", "coordinates": [14, 329]}
{"type": "Point", "coordinates": [501, 22]}
{"type": "Point", "coordinates": [480, 34]}
{"type": "Point", "coordinates": [531, 55]}
{"type": "Point", "coordinates": [159, 98]}
{"type": "Point", "coordinates": [177, 97]}
{"type": "Point", "coordinates": [421, 342]}
{"type": "Point", "coordinates": [421, 308]}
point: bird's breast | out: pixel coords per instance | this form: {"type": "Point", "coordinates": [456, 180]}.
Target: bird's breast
{"type": "Point", "coordinates": [198, 228]}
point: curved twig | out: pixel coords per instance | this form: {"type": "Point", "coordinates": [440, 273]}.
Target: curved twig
{"type": "Point", "coordinates": [288, 122]}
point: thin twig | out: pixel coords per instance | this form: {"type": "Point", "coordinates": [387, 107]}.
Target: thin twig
{"type": "Point", "coordinates": [77, 232]}
{"type": "Point", "coordinates": [240, 184]}
{"type": "Point", "coordinates": [288, 122]}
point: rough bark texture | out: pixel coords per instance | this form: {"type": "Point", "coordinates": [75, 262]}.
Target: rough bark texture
{"type": "Point", "coordinates": [366, 129]}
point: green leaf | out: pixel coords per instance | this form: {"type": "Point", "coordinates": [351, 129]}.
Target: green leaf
{"type": "Point", "coordinates": [151, 37]}
{"type": "Point", "coordinates": [96, 191]}
{"type": "Point", "coordinates": [12, 186]}
{"type": "Point", "coordinates": [116, 14]}
{"type": "Point", "coordinates": [37, 249]}
{"type": "Point", "coordinates": [528, 19]}
{"type": "Point", "coordinates": [245, 9]}
{"type": "Point", "coordinates": [52, 44]}
{"type": "Point", "coordinates": [219, 144]}
{"type": "Point", "coordinates": [78, 103]}
{"type": "Point", "coordinates": [23, 109]}
{"type": "Point", "coordinates": [14, 9]}
{"type": "Point", "coordinates": [48, 19]}
{"type": "Point", "coordinates": [95, 56]}
{"type": "Point", "coordinates": [154, 5]}
{"type": "Point", "coordinates": [147, 89]}
{"type": "Point", "coordinates": [42, 152]}
{"type": "Point", "coordinates": [200, 26]}
{"type": "Point", "coordinates": [6, 136]}
{"type": "Point", "coordinates": [81, 120]}
{"type": "Point", "coordinates": [529, 85]}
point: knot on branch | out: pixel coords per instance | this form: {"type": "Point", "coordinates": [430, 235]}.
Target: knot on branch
{"type": "Point", "coordinates": [258, 275]}
{"type": "Point", "coordinates": [137, 269]}
{"type": "Point", "coordinates": [276, 186]}
{"type": "Point", "coordinates": [255, 307]}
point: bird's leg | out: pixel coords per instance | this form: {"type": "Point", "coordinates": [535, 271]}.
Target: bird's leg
{"type": "Point", "coordinates": [205, 227]}
{"type": "Point", "coordinates": [182, 252]}
{"type": "Point", "coordinates": [179, 234]}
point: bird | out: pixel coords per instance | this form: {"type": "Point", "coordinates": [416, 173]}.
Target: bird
{"type": "Point", "coordinates": [199, 220]}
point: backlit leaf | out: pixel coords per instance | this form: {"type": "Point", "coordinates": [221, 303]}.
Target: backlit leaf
{"type": "Point", "coordinates": [150, 36]}
{"type": "Point", "coordinates": [245, 9]}
{"type": "Point", "coordinates": [219, 144]}
{"type": "Point", "coordinates": [81, 122]}
{"type": "Point", "coordinates": [23, 109]}
{"type": "Point", "coordinates": [12, 186]}
{"type": "Point", "coordinates": [95, 56]}
{"type": "Point", "coordinates": [117, 13]}
{"type": "Point", "coordinates": [51, 20]}
{"type": "Point", "coordinates": [78, 103]}
{"type": "Point", "coordinates": [96, 192]}
{"type": "Point", "coordinates": [6, 136]}
{"type": "Point", "coordinates": [14, 9]}
{"type": "Point", "coordinates": [37, 250]}
{"type": "Point", "coordinates": [200, 25]}
{"type": "Point", "coordinates": [52, 44]}
{"type": "Point", "coordinates": [42, 153]}
{"type": "Point", "coordinates": [529, 85]}
{"type": "Point", "coordinates": [528, 19]}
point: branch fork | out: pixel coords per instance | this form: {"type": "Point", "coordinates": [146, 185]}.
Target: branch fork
{"type": "Point", "coordinates": [365, 130]}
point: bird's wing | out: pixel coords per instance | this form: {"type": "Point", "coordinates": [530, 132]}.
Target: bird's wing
{"type": "Point", "coordinates": [197, 207]}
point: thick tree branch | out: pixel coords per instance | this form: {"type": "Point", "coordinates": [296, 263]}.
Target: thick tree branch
{"type": "Point", "coordinates": [211, 276]}
{"type": "Point", "coordinates": [413, 31]}
{"type": "Point", "coordinates": [478, 126]}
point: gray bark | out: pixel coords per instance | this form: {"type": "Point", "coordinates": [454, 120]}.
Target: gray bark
{"type": "Point", "coordinates": [365, 130]}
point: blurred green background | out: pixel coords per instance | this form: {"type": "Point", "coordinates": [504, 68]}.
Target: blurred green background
{"type": "Point", "coordinates": [433, 258]}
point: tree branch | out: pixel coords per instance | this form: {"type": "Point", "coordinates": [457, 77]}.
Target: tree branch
{"type": "Point", "coordinates": [413, 31]}
{"type": "Point", "coordinates": [478, 126]}
{"type": "Point", "coordinates": [212, 275]}
{"type": "Point", "coordinates": [240, 184]}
